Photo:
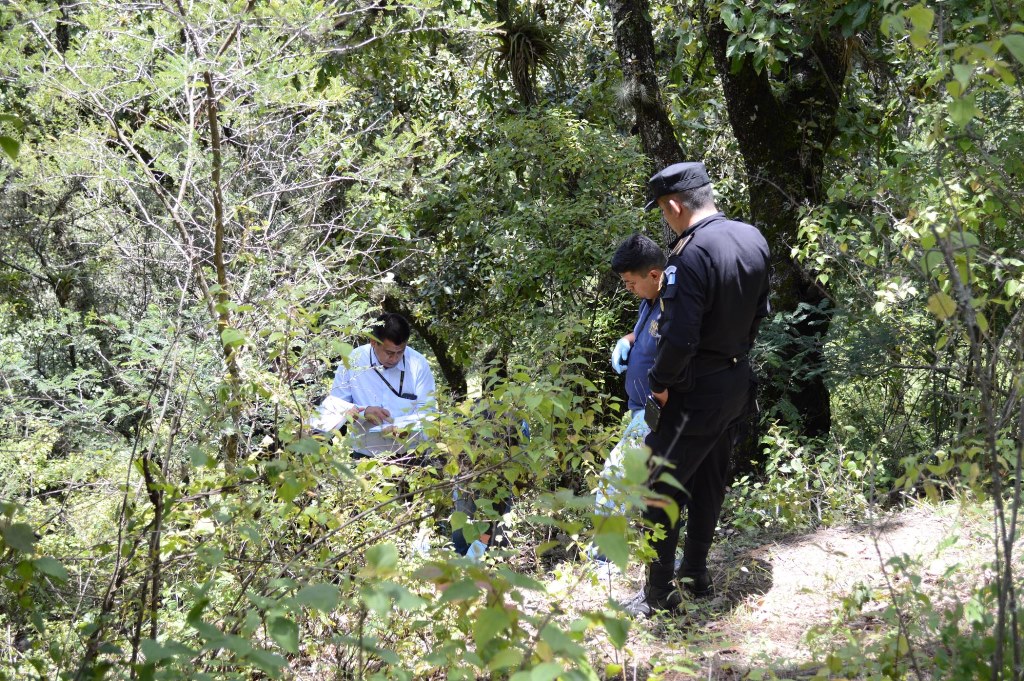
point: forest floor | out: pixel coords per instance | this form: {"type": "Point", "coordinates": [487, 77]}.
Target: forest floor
{"type": "Point", "coordinates": [774, 593]}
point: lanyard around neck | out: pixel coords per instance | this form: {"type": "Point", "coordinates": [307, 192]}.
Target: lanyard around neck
{"type": "Point", "coordinates": [379, 370]}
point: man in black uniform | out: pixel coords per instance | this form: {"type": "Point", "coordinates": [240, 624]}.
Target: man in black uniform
{"type": "Point", "coordinates": [714, 293]}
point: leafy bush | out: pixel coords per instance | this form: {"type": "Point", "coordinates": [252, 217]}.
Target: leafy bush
{"type": "Point", "coordinates": [806, 482]}
{"type": "Point", "coordinates": [905, 629]}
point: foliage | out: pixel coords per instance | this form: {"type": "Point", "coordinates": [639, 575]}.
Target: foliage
{"type": "Point", "coordinates": [204, 204]}
{"type": "Point", "coordinates": [930, 221]}
{"type": "Point", "coordinates": [512, 237]}
{"type": "Point", "coordinates": [300, 549]}
{"type": "Point", "coordinates": [806, 482]}
{"type": "Point", "coordinates": [900, 628]}
{"type": "Point", "coordinates": [161, 453]}
{"type": "Point", "coordinates": [8, 143]}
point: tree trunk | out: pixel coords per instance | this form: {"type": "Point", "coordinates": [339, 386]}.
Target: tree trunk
{"type": "Point", "coordinates": [783, 134]}
{"type": "Point", "coordinates": [634, 43]}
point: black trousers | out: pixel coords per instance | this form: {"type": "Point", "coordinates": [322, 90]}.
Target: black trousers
{"type": "Point", "coordinates": [696, 436]}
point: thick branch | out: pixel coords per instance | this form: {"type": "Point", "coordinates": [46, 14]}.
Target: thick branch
{"type": "Point", "coordinates": [230, 441]}
{"type": "Point", "coordinates": [634, 43]}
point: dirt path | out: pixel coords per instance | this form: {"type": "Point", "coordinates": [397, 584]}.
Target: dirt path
{"type": "Point", "coordinates": [771, 593]}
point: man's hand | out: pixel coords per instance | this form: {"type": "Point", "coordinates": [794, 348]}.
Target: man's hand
{"type": "Point", "coordinates": [661, 397]}
{"type": "Point", "coordinates": [620, 355]}
{"type": "Point", "coordinates": [376, 415]}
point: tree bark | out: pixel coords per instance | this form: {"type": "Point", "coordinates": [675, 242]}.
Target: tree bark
{"type": "Point", "coordinates": [783, 133]}
{"type": "Point", "coordinates": [634, 43]}
{"type": "Point", "coordinates": [229, 442]}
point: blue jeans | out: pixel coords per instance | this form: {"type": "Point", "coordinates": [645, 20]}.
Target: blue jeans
{"type": "Point", "coordinates": [632, 438]}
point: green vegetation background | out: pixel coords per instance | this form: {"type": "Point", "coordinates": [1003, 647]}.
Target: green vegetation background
{"type": "Point", "coordinates": [204, 202]}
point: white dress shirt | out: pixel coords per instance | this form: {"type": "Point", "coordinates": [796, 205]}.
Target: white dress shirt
{"type": "Point", "coordinates": [366, 383]}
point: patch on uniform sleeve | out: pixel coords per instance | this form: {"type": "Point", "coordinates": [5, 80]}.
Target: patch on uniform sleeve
{"type": "Point", "coordinates": [668, 285]}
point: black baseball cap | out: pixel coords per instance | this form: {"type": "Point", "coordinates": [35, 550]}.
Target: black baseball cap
{"type": "Point", "coordinates": [678, 177]}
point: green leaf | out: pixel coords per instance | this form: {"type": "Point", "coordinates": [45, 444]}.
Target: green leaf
{"type": "Point", "coordinates": [49, 566]}
{"type": "Point", "coordinates": [544, 547]}
{"type": "Point", "coordinates": [730, 21]}
{"type": "Point", "coordinates": [561, 643]}
{"type": "Point", "coordinates": [289, 488]}
{"type": "Point", "coordinates": [198, 457]}
{"type": "Point", "coordinates": [195, 614]}
{"type": "Point", "coordinates": [964, 240]}
{"type": "Point", "coordinates": [962, 73]}
{"type": "Point", "coordinates": [323, 597]}
{"type": "Point", "coordinates": [962, 110]}
{"type": "Point", "coordinates": [155, 652]}
{"type": "Point", "coordinates": [618, 630]}
{"type": "Point", "coordinates": [890, 22]}
{"type": "Point", "coordinates": [505, 659]}
{"type": "Point", "coordinates": [13, 120]}
{"type": "Point", "coordinates": [285, 632]}
{"type": "Point", "coordinates": [269, 662]}
{"type": "Point", "coordinates": [549, 671]}
{"type": "Point", "coordinates": [922, 19]}
{"type": "Point", "coordinates": [932, 260]}
{"type": "Point", "coordinates": [610, 538]}
{"type": "Point", "coordinates": [941, 305]}
{"type": "Point", "coordinates": [375, 599]}
{"type": "Point", "coordinates": [519, 580]}
{"type": "Point", "coordinates": [670, 479]}
{"type": "Point", "coordinates": [231, 337]}
{"type": "Point", "coordinates": [489, 623]}
{"type": "Point", "coordinates": [307, 445]}
{"type": "Point", "coordinates": [382, 559]}
{"type": "Point", "coordinates": [10, 146]}
{"type": "Point", "coordinates": [463, 590]}
{"type": "Point", "coordinates": [1015, 44]}
{"type": "Point", "coordinates": [459, 520]}
{"type": "Point", "coordinates": [236, 644]}
{"type": "Point", "coordinates": [634, 465]}
{"type": "Point", "coordinates": [19, 537]}
{"type": "Point", "coordinates": [405, 599]}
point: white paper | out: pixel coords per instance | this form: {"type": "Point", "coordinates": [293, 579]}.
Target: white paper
{"type": "Point", "coordinates": [401, 423]}
{"type": "Point", "coordinates": [332, 413]}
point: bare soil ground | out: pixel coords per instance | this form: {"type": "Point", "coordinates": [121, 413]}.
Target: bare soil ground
{"type": "Point", "coordinates": [770, 592]}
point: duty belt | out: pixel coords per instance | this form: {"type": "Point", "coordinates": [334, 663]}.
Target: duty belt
{"type": "Point", "coordinates": [705, 365]}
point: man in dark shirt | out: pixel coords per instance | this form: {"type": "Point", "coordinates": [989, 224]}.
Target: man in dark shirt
{"type": "Point", "coordinates": [639, 262]}
{"type": "Point", "coordinates": [715, 294]}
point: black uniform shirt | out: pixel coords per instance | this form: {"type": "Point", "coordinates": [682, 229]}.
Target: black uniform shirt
{"type": "Point", "coordinates": [715, 294]}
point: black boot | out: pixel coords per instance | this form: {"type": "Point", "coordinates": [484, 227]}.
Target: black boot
{"type": "Point", "coordinates": [699, 584]}
{"type": "Point", "coordinates": [653, 600]}
{"type": "Point", "coordinates": [693, 573]}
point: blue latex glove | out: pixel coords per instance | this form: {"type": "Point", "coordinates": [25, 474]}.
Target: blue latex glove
{"type": "Point", "coordinates": [620, 355]}
{"type": "Point", "coordinates": [476, 550]}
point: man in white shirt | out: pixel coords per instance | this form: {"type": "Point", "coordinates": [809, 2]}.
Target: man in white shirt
{"type": "Point", "coordinates": [384, 386]}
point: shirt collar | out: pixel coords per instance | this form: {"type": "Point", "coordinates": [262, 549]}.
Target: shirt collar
{"type": "Point", "coordinates": [703, 222]}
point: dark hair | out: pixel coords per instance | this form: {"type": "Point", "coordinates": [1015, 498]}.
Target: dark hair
{"type": "Point", "coordinates": [637, 253]}
{"type": "Point", "coordinates": [697, 198]}
{"type": "Point", "coordinates": [391, 326]}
